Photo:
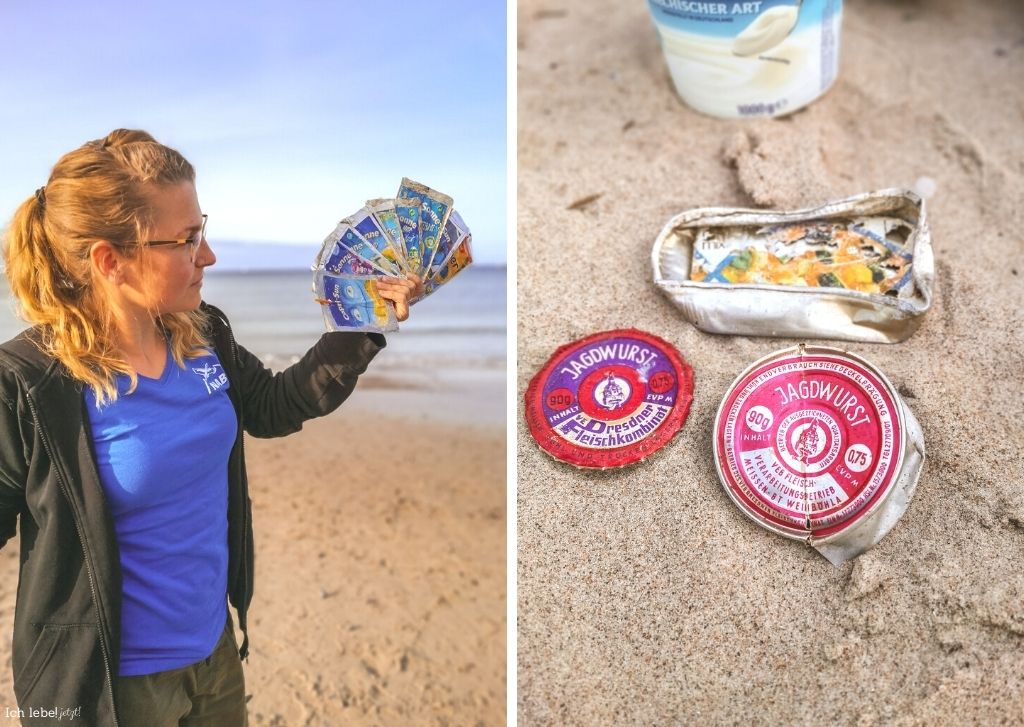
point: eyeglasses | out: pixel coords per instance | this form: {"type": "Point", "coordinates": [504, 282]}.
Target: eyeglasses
{"type": "Point", "coordinates": [192, 242]}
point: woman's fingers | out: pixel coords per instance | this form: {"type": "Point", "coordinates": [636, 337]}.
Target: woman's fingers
{"type": "Point", "coordinates": [399, 291]}
{"type": "Point", "coordinates": [390, 287]}
{"type": "Point", "coordinates": [418, 288]}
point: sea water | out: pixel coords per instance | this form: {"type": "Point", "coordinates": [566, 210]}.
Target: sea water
{"type": "Point", "coordinates": [456, 334]}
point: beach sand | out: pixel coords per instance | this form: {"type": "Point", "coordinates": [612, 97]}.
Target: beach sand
{"type": "Point", "coordinates": [380, 567]}
{"type": "Point", "coordinates": [644, 595]}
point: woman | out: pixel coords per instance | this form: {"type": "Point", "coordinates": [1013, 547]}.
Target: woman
{"type": "Point", "coordinates": [121, 450]}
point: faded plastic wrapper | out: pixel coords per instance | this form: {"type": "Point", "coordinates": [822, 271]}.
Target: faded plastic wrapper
{"type": "Point", "coordinates": [858, 269]}
{"type": "Point", "coordinates": [434, 211]}
{"type": "Point", "coordinates": [388, 237]}
{"type": "Point", "coordinates": [353, 303]}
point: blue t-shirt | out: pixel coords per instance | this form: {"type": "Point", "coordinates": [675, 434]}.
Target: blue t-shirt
{"type": "Point", "coordinates": [162, 453]}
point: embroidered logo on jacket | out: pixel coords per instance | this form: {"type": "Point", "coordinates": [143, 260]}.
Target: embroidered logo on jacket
{"type": "Point", "coordinates": [207, 371]}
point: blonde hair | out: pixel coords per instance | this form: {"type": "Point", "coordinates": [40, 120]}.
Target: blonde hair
{"type": "Point", "coordinates": [95, 192]}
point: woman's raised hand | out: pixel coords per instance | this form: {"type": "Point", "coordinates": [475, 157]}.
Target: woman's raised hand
{"type": "Point", "coordinates": [401, 291]}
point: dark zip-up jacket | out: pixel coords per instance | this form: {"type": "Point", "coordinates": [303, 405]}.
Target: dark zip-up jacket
{"type": "Point", "coordinates": [67, 621]}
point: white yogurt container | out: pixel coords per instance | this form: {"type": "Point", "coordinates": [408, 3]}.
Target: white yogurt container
{"type": "Point", "coordinates": [743, 59]}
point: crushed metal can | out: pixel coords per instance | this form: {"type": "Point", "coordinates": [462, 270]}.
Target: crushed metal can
{"type": "Point", "coordinates": [610, 399]}
{"type": "Point", "coordinates": [814, 443]}
{"type": "Point", "coordinates": [858, 269]}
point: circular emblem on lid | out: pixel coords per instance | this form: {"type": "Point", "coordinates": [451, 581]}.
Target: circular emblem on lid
{"type": "Point", "coordinates": [809, 440]}
{"type": "Point", "coordinates": [609, 399]}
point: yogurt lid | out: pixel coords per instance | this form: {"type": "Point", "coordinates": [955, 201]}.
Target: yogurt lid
{"type": "Point", "coordinates": [610, 399]}
{"type": "Point", "coordinates": [809, 441]}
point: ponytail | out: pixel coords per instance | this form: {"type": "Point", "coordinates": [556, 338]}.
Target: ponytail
{"type": "Point", "coordinates": [94, 193]}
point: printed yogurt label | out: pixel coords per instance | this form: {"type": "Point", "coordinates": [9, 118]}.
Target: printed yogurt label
{"type": "Point", "coordinates": [739, 59]}
{"type": "Point", "coordinates": [807, 443]}
{"type": "Point", "coordinates": [610, 399]}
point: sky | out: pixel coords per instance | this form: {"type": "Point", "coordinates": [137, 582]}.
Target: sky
{"type": "Point", "coordinates": [293, 114]}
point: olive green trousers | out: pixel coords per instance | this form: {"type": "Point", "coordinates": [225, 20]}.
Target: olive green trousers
{"type": "Point", "coordinates": [210, 693]}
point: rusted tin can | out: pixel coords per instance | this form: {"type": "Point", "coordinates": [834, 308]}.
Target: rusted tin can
{"type": "Point", "coordinates": [859, 269]}
{"type": "Point", "coordinates": [609, 399]}
{"type": "Point", "coordinates": [814, 443]}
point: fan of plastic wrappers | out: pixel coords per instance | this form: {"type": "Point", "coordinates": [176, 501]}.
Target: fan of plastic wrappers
{"type": "Point", "coordinates": [417, 232]}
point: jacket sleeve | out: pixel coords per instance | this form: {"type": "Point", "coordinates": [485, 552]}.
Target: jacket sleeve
{"type": "Point", "coordinates": [276, 404]}
{"type": "Point", "coordinates": [13, 470]}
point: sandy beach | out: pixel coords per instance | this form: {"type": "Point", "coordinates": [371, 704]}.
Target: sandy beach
{"type": "Point", "coordinates": [380, 568]}
{"type": "Point", "coordinates": [644, 595]}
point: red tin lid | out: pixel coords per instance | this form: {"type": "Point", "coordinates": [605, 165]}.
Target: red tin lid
{"type": "Point", "coordinates": [809, 440]}
{"type": "Point", "coordinates": [609, 399]}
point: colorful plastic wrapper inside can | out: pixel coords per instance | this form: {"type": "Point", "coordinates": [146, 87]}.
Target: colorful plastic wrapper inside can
{"type": "Point", "coordinates": [858, 269]}
{"type": "Point", "coordinates": [610, 399]}
{"type": "Point", "coordinates": [814, 443]}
